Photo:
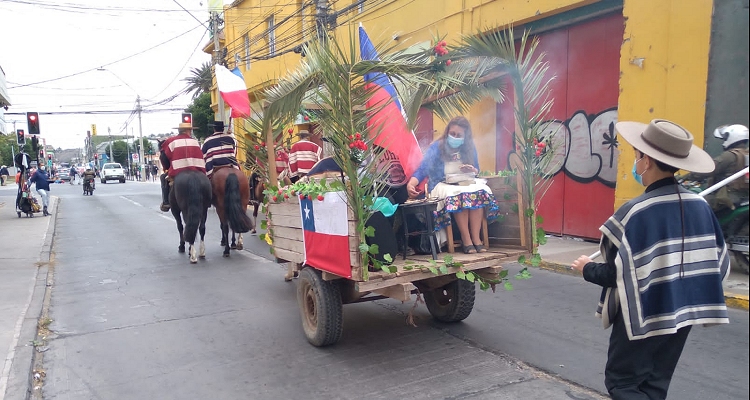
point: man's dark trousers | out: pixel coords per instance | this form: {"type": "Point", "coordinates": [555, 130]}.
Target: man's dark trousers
{"type": "Point", "coordinates": [641, 369]}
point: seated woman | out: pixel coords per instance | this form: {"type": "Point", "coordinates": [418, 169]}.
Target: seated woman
{"type": "Point", "coordinates": [453, 158]}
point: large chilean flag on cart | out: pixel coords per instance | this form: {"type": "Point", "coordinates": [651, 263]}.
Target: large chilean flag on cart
{"type": "Point", "coordinates": [389, 119]}
{"type": "Point", "coordinates": [326, 233]}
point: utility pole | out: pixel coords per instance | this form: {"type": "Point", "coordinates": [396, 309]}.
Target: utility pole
{"type": "Point", "coordinates": [109, 130]}
{"type": "Point", "coordinates": [140, 134]}
{"type": "Point", "coordinates": [215, 20]}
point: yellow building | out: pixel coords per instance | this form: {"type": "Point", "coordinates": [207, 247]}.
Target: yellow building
{"type": "Point", "coordinates": [611, 60]}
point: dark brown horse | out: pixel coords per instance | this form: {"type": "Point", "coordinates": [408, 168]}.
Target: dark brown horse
{"type": "Point", "coordinates": [231, 194]}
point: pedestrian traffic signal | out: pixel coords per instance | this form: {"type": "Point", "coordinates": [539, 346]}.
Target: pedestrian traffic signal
{"type": "Point", "coordinates": [20, 137]}
{"type": "Point", "coordinates": [96, 156]}
{"type": "Point", "coordinates": [32, 120]}
{"type": "Point", "coordinates": [41, 154]}
{"type": "Point", "coordinates": [187, 118]}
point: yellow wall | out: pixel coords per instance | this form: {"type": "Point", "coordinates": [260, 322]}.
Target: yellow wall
{"type": "Point", "coordinates": [664, 70]}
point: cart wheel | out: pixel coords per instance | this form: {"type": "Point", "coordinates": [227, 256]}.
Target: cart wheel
{"type": "Point", "coordinates": [320, 308]}
{"type": "Point", "coordinates": [452, 302]}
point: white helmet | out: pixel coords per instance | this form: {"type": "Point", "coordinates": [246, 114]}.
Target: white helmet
{"type": "Point", "coordinates": [731, 134]}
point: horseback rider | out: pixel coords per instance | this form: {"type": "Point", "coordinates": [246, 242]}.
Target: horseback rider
{"type": "Point", "coordinates": [219, 150]}
{"type": "Point", "coordinates": [179, 153]}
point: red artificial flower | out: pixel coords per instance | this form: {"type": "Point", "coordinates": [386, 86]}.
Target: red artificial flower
{"type": "Point", "coordinates": [257, 147]}
{"type": "Point", "coordinates": [448, 63]}
{"type": "Point", "coordinates": [302, 197]}
{"type": "Point", "coordinates": [286, 195]}
{"type": "Point", "coordinates": [351, 145]}
{"type": "Point", "coordinates": [307, 118]}
{"type": "Point", "coordinates": [320, 197]}
{"type": "Point", "coordinates": [275, 199]}
{"type": "Point", "coordinates": [358, 136]}
{"type": "Point", "coordinates": [290, 130]}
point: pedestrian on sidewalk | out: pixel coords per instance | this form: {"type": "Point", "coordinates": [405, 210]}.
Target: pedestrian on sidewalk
{"type": "Point", "coordinates": [73, 174]}
{"type": "Point", "coordinates": [40, 179]}
{"type": "Point", "coordinates": [4, 173]}
{"type": "Point", "coordinates": [665, 260]}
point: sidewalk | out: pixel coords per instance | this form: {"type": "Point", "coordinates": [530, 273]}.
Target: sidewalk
{"type": "Point", "coordinates": [23, 274]}
{"type": "Point", "coordinates": [559, 252]}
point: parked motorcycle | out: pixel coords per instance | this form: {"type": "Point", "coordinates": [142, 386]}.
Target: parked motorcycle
{"type": "Point", "coordinates": [734, 225]}
{"type": "Point", "coordinates": [88, 186]}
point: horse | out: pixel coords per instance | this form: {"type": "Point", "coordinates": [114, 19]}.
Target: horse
{"type": "Point", "coordinates": [257, 186]}
{"type": "Point", "coordinates": [231, 194]}
{"type": "Point", "coordinates": [190, 199]}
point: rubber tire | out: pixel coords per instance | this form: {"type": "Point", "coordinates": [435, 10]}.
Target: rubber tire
{"type": "Point", "coordinates": [104, 181]}
{"type": "Point", "coordinates": [451, 303]}
{"type": "Point", "coordinates": [320, 308]}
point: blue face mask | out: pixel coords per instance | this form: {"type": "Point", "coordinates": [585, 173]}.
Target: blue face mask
{"type": "Point", "coordinates": [638, 178]}
{"type": "Point", "coordinates": [455, 143]}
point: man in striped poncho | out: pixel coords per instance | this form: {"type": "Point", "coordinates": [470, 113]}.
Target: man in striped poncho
{"type": "Point", "coordinates": [665, 260]}
{"type": "Point", "coordinates": [219, 150]}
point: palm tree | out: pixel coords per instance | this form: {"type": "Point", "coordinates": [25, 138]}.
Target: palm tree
{"type": "Point", "coordinates": [199, 81]}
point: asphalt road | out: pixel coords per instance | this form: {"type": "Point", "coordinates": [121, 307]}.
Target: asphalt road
{"type": "Point", "coordinates": [132, 319]}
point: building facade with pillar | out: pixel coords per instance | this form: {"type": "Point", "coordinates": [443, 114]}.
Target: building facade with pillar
{"type": "Point", "coordinates": [683, 60]}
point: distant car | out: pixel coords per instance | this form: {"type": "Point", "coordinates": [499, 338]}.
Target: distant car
{"type": "Point", "coordinates": [64, 174]}
{"type": "Point", "coordinates": [112, 172]}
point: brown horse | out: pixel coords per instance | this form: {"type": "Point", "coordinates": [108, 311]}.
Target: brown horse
{"type": "Point", "coordinates": [231, 194]}
{"type": "Point", "coordinates": [257, 186]}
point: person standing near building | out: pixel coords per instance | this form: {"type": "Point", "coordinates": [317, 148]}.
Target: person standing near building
{"type": "Point", "coordinates": [302, 156]}
{"type": "Point", "coordinates": [40, 179]}
{"type": "Point", "coordinates": [665, 260]}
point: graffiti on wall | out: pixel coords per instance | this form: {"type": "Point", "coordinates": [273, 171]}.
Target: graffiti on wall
{"type": "Point", "coordinates": [585, 147]}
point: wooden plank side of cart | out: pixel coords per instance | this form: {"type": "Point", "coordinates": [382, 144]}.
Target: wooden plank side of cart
{"type": "Point", "coordinates": [508, 241]}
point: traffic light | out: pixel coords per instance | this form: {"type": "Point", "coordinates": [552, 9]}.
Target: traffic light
{"type": "Point", "coordinates": [187, 118]}
{"type": "Point", "coordinates": [20, 137]}
{"type": "Point", "coordinates": [49, 156]}
{"type": "Point", "coordinates": [41, 154]}
{"type": "Point", "coordinates": [32, 120]}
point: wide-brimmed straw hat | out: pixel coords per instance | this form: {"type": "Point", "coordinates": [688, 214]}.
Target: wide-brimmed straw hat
{"type": "Point", "coordinates": [185, 125]}
{"type": "Point", "coordinates": [667, 142]}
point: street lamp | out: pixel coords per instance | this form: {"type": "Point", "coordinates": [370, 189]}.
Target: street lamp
{"type": "Point", "coordinates": [140, 125]}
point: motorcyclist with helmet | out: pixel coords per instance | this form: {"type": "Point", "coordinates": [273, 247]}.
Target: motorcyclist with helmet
{"type": "Point", "coordinates": [733, 159]}
{"type": "Point", "coordinates": [89, 176]}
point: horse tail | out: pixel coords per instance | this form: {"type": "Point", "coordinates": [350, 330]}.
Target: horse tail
{"type": "Point", "coordinates": [233, 207]}
{"type": "Point", "coordinates": [194, 214]}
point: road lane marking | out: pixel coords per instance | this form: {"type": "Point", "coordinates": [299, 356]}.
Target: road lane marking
{"type": "Point", "coordinates": [168, 218]}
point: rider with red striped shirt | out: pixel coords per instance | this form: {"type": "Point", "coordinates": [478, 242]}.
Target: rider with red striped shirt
{"type": "Point", "coordinates": [179, 153]}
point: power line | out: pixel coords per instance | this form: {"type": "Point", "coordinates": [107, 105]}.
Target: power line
{"type": "Point", "coordinates": [106, 64]}
{"type": "Point", "coordinates": [191, 14]}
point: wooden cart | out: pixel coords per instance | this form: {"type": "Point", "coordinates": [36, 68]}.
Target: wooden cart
{"type": "Point", "coordinates": [320, 294]}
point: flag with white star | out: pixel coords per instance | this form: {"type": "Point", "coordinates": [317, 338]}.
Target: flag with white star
{"type": "Point", "coordinates": [326, 233]}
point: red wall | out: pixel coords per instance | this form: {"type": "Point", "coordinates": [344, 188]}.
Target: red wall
{"type": "Point", "coordinates": [584, 59]}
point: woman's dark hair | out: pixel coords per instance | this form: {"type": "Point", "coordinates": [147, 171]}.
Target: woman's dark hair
{"type": "Point", "coordinates": [467, 150]}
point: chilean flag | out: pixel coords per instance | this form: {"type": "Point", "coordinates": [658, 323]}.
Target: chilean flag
{"type": "Point", "coordinates": [326, 233]}
{"type": "Point", "coordinates": [389, 119]}
{"type": "Point", "coordinates": [233, 90]}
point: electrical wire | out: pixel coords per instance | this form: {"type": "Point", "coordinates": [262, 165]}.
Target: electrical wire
{"type": "Point", "coordinates": [190, 57]}
{"type": "Point", "coordinates": [191, 14]}
{"type": "Point", "coordinates": [107, 64]}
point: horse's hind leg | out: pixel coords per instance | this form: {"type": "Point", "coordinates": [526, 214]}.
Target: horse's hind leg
{"type": "Point", "coordinates": [240, 245]}
{"type": "Point", "coordinates": [191, 250]}
{"type": "Point", "coordinates": [202, 231]}
{"type": "Point", "coordinates": [180, 228]}
{"type": "Point", "coordinates": [233, 246]}
{"type": "Point", "coordinates": [223, 234]}
{"type": "Point", "coordinates": [255, 217]}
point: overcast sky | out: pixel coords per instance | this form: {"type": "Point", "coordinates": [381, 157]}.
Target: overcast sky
{"type": "Point", "coordinates": [47, 40]}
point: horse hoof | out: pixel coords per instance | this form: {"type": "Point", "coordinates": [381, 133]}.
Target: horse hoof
{"type": "Point", "coordinates": [194, 261]}
{"type": "Point", "coordinates": [233, 247]}
{"type": "Point", "coordinates": [181, 249]}
{"type": "Point", "coordinates": [239, 247]}
{"type": "Point", "coordinates": [223, 243]}
{"type": "Point", "coordinates": [225, 255]}
{"type": "Point", "coordinates": [253, 231]}
{"type": "Point", "coordinates": [202, 257]}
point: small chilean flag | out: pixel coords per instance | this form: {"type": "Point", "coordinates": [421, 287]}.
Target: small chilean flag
{"type": "Point", "coordinates": [326, 233]}
{"type": "Point", "coordinates": [394, 134]}
{"type": "Point", "coordinates": [233, 90]}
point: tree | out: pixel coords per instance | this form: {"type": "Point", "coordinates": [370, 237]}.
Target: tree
{"type": "Point", "coordinates": [119, 152]}
{"type": "Point", "coordinates": [202, 115]}
{"type": "Point", "coordinates": [200, 80]}
{"type": "Point", "coordinates": [148, 148]}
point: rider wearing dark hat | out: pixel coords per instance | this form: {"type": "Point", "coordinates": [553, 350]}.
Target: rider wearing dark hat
{"type": "Point", "coordinates": [219, 149]}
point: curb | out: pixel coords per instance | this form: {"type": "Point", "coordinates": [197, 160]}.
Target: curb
{"type": "Point", "coordinates": [733, 300]}
{"type": "Point", "coordinates": [20, 381]}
